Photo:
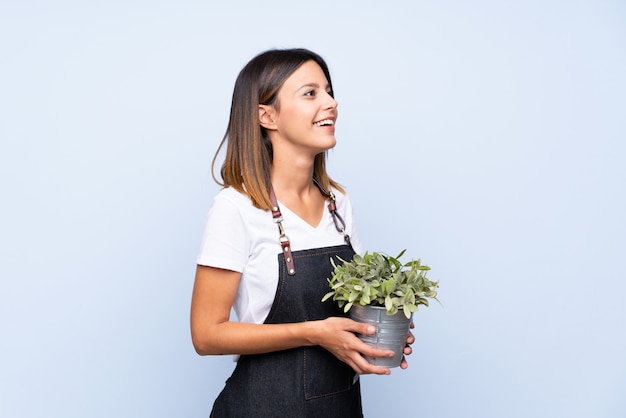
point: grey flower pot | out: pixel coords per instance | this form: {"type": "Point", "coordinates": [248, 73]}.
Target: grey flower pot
{"type": "Point", "coordinates": [391, 332]}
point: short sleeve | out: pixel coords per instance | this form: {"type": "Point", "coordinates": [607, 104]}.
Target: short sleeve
{"type": "Point", "coordinates": [224, 240]}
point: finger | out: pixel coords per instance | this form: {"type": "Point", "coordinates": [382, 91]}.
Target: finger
{"type": "Point", "coordinates": [379, 370]}
{"type": "Point", "coordinates": [359, 327]}
{"type": "Point", "coordinates": [376, 352]}
{"type": "Point", "coordinates": [354, 366]}
{"type": "Point", "coordinates": [407, 350]}
{"type": "Point", "coordinates": [404, 364]}
{"type": "Point", "coordinates": [361, 365]}
{"type": "Point", "coordinates": [368, 368]}
{"type": "Point", "coordinates": [410, 339]}
{"type": "Point", "coordinates": [364, 329]}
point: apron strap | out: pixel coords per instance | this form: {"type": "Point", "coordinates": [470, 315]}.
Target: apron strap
{"type": "Point", "coordinates": [283, 239]}
{"type": "Point", "coordinates": [340, 224]}
{"type": "Point", "coordinates": [332, 208]}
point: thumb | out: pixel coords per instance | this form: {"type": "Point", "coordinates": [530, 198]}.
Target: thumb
{"type": "Point", "coordinates": [365, 329]}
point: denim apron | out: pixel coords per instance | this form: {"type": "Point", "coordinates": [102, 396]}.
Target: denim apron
{"type": "Point", "coordinates": [302, 381]}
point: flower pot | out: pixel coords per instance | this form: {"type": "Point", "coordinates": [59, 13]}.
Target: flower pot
{"type": "Point", "coordinates": [391, 332]}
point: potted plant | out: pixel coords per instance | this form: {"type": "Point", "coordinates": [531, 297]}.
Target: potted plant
{"type": "Point", "coordinates": [381, 290]}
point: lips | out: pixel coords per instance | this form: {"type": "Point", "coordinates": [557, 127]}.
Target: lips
{"type": "Point", "coordinates": [325, 122]}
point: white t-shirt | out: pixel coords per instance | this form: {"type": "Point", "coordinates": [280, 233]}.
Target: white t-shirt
{"type": "Point", "coordinates": [239, 237]}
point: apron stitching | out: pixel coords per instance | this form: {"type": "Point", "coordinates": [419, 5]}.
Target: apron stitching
{"type": "Point", "coordinates": [307, 397]}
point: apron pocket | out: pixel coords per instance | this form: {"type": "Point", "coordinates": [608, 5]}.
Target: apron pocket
{"type": "Point", "coordinates": [325, 374]}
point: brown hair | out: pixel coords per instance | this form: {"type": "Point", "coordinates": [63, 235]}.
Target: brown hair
{"type": "Point", "coordinates": [249, 153]}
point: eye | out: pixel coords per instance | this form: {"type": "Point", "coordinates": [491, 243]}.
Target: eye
{"type": "Point", "coordinates": [310, 93]}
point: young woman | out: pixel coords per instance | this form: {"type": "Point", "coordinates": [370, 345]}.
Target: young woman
{"type": "Point", "coordinates": [266, 250]}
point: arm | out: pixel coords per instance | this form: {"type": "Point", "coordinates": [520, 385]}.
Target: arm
{"type": "Point", "coordinates": [212, 331]}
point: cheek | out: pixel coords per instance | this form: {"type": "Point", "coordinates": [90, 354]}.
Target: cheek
{"type": "Point", "coordinates": [297, 116]}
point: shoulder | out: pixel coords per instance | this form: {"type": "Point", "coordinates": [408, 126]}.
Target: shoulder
{"type": "Point", "coordinates": [231, 199]}
{"type": "Point", "coordinates": [232, 227]}
{"type": "Point", "coordinates": [235, 209]}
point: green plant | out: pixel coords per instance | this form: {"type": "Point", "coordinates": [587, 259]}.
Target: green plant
{"type": "Point", "coordinates": [382, 280]}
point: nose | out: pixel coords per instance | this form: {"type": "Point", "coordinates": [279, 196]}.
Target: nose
{"type": "Point", "coordinates": [331, 103]}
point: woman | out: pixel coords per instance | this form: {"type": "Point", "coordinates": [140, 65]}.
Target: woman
{"type": "Point", "coordinates": [266, 250]}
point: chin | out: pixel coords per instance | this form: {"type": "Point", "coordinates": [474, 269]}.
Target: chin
{"type": "Point", "coordinates": [331, 144]}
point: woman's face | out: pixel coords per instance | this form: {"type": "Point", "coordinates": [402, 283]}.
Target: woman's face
{"type": "Point", "coordinates": [307, 112]}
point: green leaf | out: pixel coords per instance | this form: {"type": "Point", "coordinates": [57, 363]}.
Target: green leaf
{"type": "Point", "coordinates": [388, 303]}
{"type": "Point", "coordinates": [328, 296]}
{"type": "Point", "coordinates": [365, 300]}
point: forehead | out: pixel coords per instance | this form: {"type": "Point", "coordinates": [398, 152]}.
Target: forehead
{"type": "Point", "coordinates": [308, 73]}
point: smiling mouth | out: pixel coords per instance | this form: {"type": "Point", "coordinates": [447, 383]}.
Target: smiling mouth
{"type": "Point", "coordinates": [325, 122]}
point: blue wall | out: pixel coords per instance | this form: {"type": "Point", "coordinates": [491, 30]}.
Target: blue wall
{"type": "Point", "coordinates": [485, 137]}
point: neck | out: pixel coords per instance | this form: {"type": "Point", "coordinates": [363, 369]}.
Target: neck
{"type": "Point", "coordinates": [292, 170]}
{"type": "Point", "coordinates": [293, 180]}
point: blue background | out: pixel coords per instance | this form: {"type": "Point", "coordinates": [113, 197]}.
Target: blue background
{"type": "Point", "coordinates": [486, 137]}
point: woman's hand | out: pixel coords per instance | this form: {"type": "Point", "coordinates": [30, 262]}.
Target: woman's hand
{"type": "Point", "coordinates": [408, 350]}
{"type": "Point", "coordinates": [337, 335]}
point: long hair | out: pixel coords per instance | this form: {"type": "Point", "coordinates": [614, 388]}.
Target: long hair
{"type": "Point", "coordinates": [249, 156]}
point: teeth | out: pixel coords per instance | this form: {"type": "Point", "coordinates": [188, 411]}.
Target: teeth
{"type": "Point", "coordinates": [324, 122]}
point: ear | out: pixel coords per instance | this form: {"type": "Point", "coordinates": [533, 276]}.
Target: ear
{"type": "Point", "coordinates": [267, 115]}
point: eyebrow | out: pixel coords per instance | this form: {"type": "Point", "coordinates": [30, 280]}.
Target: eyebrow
{"type": "Point", "coordinates": [315, 85]}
